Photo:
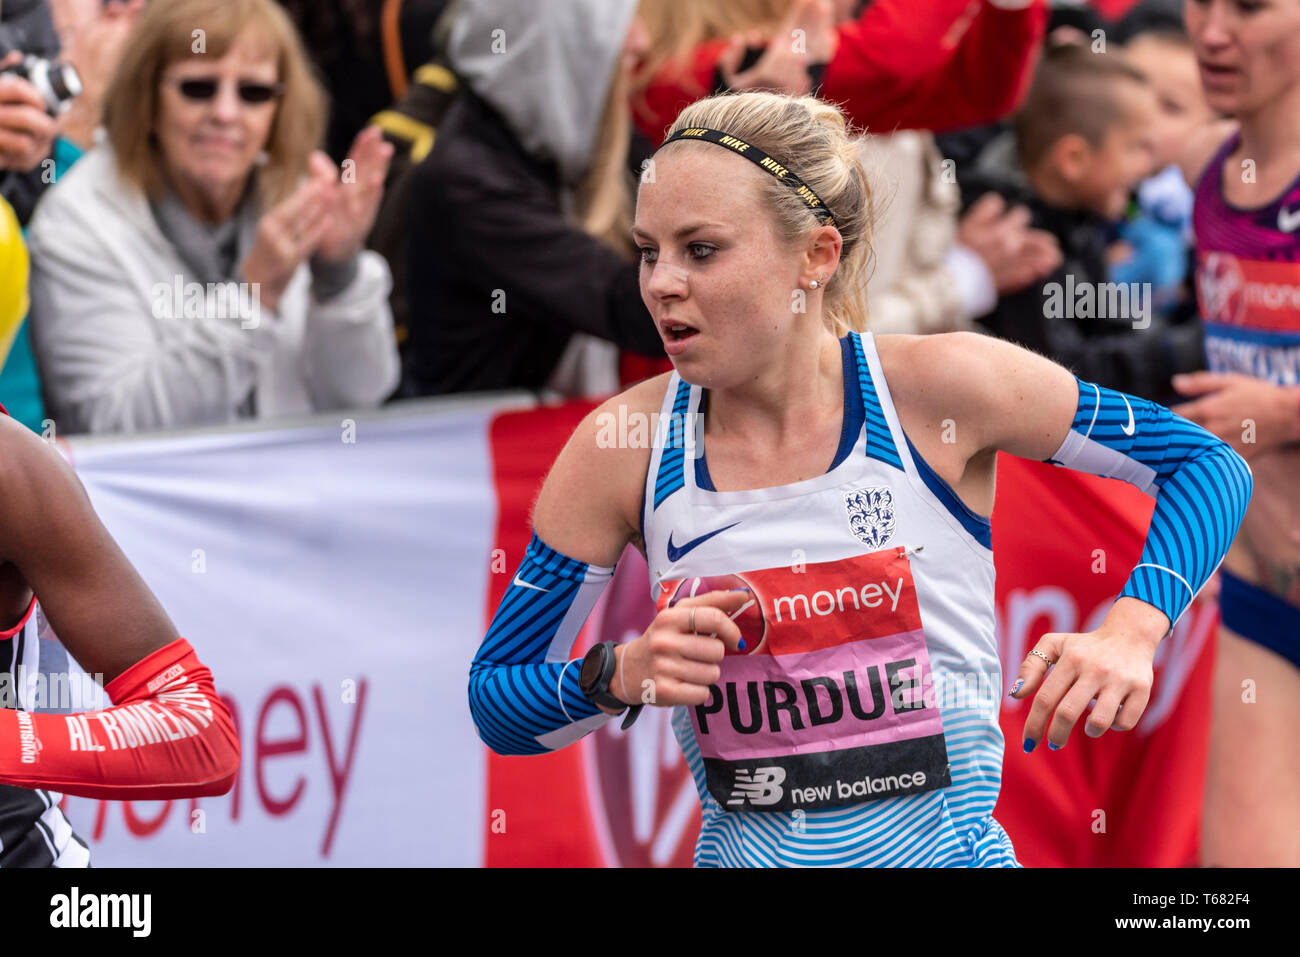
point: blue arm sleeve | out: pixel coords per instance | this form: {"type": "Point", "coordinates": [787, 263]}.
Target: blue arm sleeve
{"type": "Point", "coordinates": [1200, 484]}
{"type": "Point", "coordinates": [523, 686]}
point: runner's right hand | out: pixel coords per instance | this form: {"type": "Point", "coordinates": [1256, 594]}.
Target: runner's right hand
{"type": "Point", "coordinates": [679, 666]}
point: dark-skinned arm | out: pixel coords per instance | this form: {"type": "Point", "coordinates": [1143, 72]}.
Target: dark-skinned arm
{"type": "Point", "coordinates": [169, 735]}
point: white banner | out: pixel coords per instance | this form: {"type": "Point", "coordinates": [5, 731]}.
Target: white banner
{"type": "Point", "coordinates": [332, 576]}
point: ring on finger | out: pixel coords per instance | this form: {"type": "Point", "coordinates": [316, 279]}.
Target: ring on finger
{"type": "Point", "coordinates": [1049, 661]}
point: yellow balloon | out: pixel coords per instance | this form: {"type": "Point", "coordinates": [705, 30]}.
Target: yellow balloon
{"type": "Point", "coordinates": [13, 278]}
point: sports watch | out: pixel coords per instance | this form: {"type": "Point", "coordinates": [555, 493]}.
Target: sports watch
{"type": "Point", "coordinates": [595, 675]}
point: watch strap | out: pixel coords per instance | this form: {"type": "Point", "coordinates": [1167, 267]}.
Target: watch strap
{"type": "Point", "coordinates": [599, 692]}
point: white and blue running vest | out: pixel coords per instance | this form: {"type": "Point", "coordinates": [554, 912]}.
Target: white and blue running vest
{"type": "Point", "coordinates": [864, 712]}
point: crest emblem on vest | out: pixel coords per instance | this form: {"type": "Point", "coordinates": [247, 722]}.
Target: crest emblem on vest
{"type": "Point", "coordinates": [871, 515]}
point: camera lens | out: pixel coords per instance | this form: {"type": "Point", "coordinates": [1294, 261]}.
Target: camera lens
{"type": "Point", "coordinates": [65, 84]}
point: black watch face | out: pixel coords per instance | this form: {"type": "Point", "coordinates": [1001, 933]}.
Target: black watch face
{"type": "Point", "coordinates": [592, 667]}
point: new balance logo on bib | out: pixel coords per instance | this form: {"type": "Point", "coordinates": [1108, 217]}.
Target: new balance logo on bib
{"type": "Point", "coordinates": [830, 707]}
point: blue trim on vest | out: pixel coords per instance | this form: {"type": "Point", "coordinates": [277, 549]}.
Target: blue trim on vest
{"type": "Point", "coordinates": [672, 471]}
{"type": "Point", "coordinates": [641, 522]}
{"type": "Point", "coordinates": [880, 441]}
{"type": "Point", "coordinates": [852, 425]}
{"type": "Point", "coordinates": [979, 527]}
{"type": "Point", "coordinates": [854, 418]}
{"type": "Point", "coordinates": [702, 478]}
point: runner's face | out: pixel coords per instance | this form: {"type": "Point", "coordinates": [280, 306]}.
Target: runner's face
{"type": "Point", "coordinates": [711, 260]}
{"type": "Point", "coordinates": [1248, 50]}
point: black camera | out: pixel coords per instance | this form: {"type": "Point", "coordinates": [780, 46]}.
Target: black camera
{"type": "Point", "coordinates": [57, 82]}
{"type": "Point", "coordinates": [27, 28]}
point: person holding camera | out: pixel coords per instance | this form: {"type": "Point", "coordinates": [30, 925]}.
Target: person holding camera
{"type": "Point", "coordinates": [204, 263]}
{"type": "Point", "coordinates": [34, 87]}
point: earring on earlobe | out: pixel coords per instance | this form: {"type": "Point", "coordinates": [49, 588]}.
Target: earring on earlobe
{"type": "Point", "coordinates": [814, 284]}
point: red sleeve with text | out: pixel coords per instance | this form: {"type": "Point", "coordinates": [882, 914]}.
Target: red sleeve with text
{"type": "Point", "coordinates": [167, 736]}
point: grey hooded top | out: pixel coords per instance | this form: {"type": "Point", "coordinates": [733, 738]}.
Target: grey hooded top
{"type": "Point", "coordinates": [546, 67]}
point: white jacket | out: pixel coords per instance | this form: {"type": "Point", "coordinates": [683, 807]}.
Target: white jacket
{"type": "Point", "coordinates": [113, 359]}
{"type": "Point", "coordinates": [923, 279]}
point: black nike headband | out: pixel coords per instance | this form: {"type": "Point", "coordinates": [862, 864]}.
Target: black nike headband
{"type": "Point", "coordinates": [763, 161]}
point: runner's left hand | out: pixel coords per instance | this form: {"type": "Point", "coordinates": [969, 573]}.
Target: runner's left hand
{"type": "Point", "coordinates": [1111, 666]}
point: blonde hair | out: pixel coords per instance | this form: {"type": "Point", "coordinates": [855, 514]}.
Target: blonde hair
{"type": "Point", "coordinates": [167, 32]}
{"type": "Point", "coordinates": [813, 139]}
{"type": "Point", "coordinates": [603, 199]}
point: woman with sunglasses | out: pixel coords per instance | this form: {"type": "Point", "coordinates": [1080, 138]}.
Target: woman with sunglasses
{"type": "Point", "coordinates": [204, 263]}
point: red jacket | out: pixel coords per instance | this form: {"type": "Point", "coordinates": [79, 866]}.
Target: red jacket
{"type": "Point", "coordinates": [936, 65]}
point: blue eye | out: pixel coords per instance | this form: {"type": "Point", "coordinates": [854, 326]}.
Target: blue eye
{"type": "Point", "coordinates": [708, 250]}
{"type": "Point", "coordinates": [648, 253]}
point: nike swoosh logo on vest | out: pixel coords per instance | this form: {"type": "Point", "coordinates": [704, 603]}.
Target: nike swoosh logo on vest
{"type": "Point", "coordinates": [675, 553]}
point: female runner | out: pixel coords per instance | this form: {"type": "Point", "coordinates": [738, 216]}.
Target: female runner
{"type": "Point", "coordinates": [824, 633]}
{"type": "Point", "coordinates": [1247, 225]}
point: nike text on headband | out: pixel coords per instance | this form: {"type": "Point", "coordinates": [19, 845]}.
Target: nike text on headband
{"type": "Point", "coordinates": [763, 161]}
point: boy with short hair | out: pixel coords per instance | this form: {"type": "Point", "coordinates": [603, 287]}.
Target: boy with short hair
{"type": "Point", "coordinates": [1157, 238]}
{"type": "Point", "coordinates": [1079, 145]}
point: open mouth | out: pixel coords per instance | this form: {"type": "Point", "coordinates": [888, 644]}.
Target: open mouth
{"type": "Point", "coordinates": [677, 331]}
{"type": "Point", "coordinates": [1217, 72]}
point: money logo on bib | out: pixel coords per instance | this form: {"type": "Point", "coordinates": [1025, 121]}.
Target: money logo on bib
{"type": "Point", "coordinates": [829, 707]}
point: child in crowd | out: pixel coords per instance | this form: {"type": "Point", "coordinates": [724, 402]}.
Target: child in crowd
{"type": "Point", "coordinates": [1156, 241]}
{"type": "Point", "coordinates": [1081, 142]}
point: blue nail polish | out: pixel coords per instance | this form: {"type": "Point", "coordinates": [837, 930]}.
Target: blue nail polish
{"type": "Point", "coordinates": [742, 644]}
{"type": "Point", "coordinates": [1029, 745]}
{"type": "Point", "coordinates": [1053, 746]}
{"type": "Point", "coordinates": [1016, 687]}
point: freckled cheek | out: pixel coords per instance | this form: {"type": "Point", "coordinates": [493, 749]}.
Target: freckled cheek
{"type": "Point", "coordinates": [717, 287]}
{"type": "Point", "coordinates": [737, 300]}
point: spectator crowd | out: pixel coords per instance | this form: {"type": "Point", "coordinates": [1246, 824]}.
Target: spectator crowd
{"type": "Point", "coordinates": [239, 209]}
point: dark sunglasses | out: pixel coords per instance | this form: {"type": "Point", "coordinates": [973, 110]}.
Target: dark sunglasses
{"type": "Point", "coordinates": [205, 88]}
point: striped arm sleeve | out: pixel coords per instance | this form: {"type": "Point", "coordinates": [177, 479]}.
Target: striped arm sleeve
{"type": "Point", "coordinates": [1201, 487]}
{"type": "Point", "coordinates": [523, 686]}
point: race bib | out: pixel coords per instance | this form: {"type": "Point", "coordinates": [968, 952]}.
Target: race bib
{"type": "Point", "coordinates": [826, 706]}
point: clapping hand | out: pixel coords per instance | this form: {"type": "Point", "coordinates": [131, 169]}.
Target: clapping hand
{"type": "Point", "coordinates": [329, 215]}
{"type": "Point", "coordinates": [352, 196]}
